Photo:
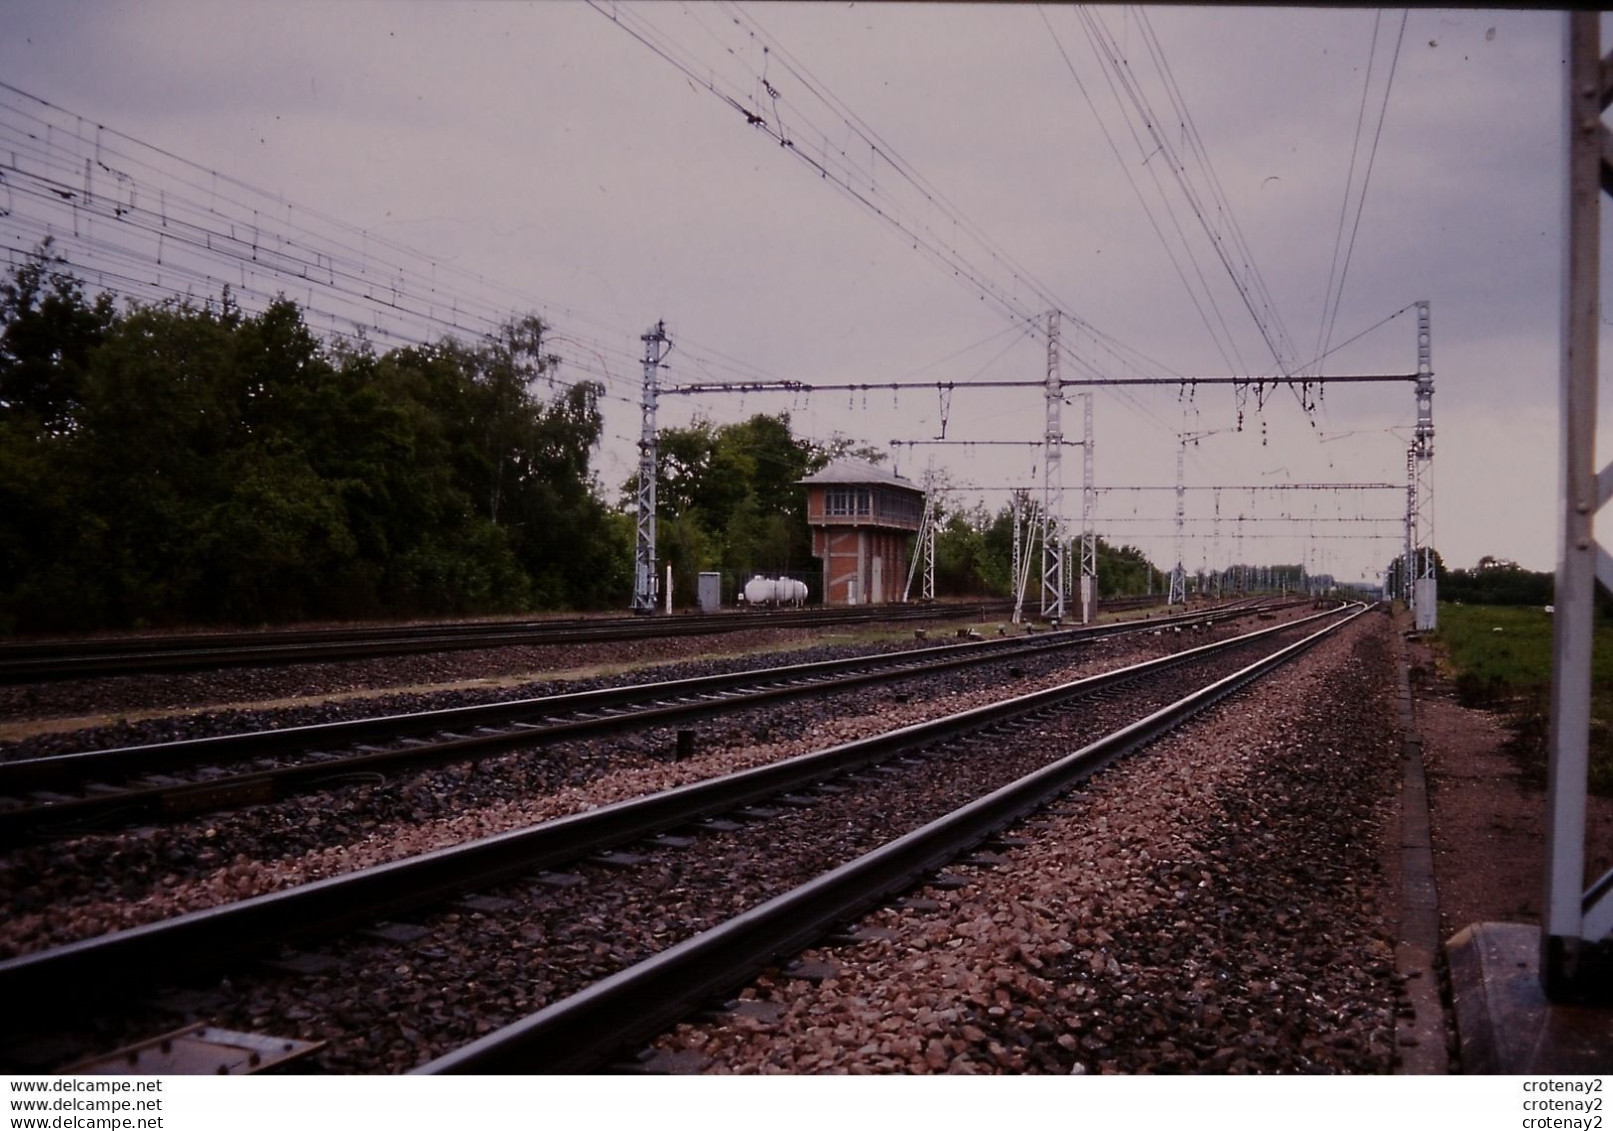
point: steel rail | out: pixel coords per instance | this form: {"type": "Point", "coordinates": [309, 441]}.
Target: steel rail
{"type": "Point", "coordinates": [49, 660]}
{"type": "Point", "coordinates": [90, 971]}
{"type": "Point", "coordinates": [583, 1031]}
{"type": "Point", "coordinates": [670, 703]}
{"type": "Point", "coordinates": [673, 701]}
{"type": "Point", "coordinates": [23, 661]}
{"type": "Point", "coordinates": [183, 642]}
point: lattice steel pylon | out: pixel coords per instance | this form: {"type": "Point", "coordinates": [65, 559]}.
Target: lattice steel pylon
{"type": "Point", "coordinates": [924, 545]}
{"type": "Point", "coordinates": [1019, 503]}
{"type": "Point", "coordinates": [644, 580]}
{"type": "Point", "coordinates": [1576, 954]}
{"type": "Point", "coordinates": [1053, 482]}
{"type": "Point", "coordinates": [1024, 541]}
{"type": "Point", "coordinates": [1178, 589]}
{"type": "Point", "coordinates": [1408, 557]}
{"type": "Point", "coordinates": [1089, 507]}
{"type": "Point", "coordinates": [1424, 584]}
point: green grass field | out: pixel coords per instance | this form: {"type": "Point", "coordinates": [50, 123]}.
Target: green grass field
{"type": "Point", "coordinates": [1500, 658]}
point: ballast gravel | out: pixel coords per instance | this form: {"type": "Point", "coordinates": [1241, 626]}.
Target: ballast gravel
{"type": "Point", "coordinates": [394, 1002]}
{"type": "Point", "coordinates": [94, 714]}
{"type": "Point", "coordinates": [87, 885]}
{"type": "Point", "coordinates": [1213, 904]}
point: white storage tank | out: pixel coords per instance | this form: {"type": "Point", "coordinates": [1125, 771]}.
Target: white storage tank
{"type": "Point", "coordinates": [760, 591]}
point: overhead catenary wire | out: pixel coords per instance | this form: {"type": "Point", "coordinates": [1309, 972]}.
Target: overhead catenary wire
{"type": "Point", "coordinates": [1366, 182]}
{"type": "Point", "coordinates": [1266, 319]}
{"type": "Point", "coordinates": [1222, 340]}
{"type": "Point", "coordinates": [154, 227]}
{"type": "Point", "coordinates": [401, 319]}
{"type": "Point", "coordinates": [809, 142]}
{"type": "Point", "coordinates": [1349, 183]}
{"type": "Point", "coordinates": [791, 137]}
{"type": "Point", "coordinates": [1223, 204]}
{"type": "Point", "coordinates": [1232, 246]}
{"type": "Point", "coordinates": [148, 225]}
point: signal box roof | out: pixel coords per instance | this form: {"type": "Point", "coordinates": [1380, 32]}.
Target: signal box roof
{"type": "Point", "coordinates": [849, 469]}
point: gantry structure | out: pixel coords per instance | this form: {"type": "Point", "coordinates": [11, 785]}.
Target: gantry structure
{"type": "Point", "coordinates": [656, 346]}
{"type": "Point", "coordinates": [1576, 938]}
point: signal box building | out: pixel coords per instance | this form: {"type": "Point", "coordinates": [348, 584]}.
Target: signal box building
{"type": "Point", "coordinates": [863, 521]}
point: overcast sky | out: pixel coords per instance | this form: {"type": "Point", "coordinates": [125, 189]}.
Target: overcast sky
{"type": "Point", "coordinates": [546, 149]}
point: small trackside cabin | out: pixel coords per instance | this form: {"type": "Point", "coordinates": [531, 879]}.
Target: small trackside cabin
{"type": "Point", "coordinates": [863, 521]}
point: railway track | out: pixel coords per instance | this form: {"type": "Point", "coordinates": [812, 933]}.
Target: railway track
{"type": "Point", "coordinates": [998, 757]}
{"type": "Point", "coordinates": [102, 788]}
{"type": "Point", "coordinates": [588, 1028]}
{"type": "Point", "coordinates": [40, 661]}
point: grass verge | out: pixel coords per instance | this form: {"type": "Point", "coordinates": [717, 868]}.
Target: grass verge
{"type": "Point", "coordinates": [1499, 658]}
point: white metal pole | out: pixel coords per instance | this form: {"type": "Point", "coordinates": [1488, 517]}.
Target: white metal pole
{"type": "Point", "coordinates": [1576, 960]}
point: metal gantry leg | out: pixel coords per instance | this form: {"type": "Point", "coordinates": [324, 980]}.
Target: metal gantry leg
{"type": "Point", "coordinates": [1178, 589]}
{"type": "Point", "coordinates": [1020, 549]}
{"type": "Point", "coordinates": [1408, 570]}
{"type": "Point", "coordinates": [924, 545]}
{"type": "Point", "coordinates": [1053, 483]}
{"type": "Point", "coordinates": [1089, 534]}
{"type": "Point", "coordinates": [644, 579]}
{"type": "Point", "coordinates": [1425, 584]}
{"type": "Point", "coordinates": [1576, 959]}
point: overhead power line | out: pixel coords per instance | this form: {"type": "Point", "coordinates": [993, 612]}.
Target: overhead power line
{"type": "Point", "coordinates": [145, 224]}
{"type": "Point", "coordinates": [785, 385]}
{"type": "Point", "coordinates": [1229, 245]}
{"type": "Point", "coordinates": [742, 76]}
{"type": "Point", "coordinates": [1360, 207]}
{"type": "Point", "coordinates": [1262, 487]}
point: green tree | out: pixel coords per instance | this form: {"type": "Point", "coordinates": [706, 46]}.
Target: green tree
{"type": "Point", "coordinates": [729, 498]}
{"type": "Point", "coordinates": [163, 413]}
{"type": "Point", "coordinates": [564, 536]}
{"type": "Point", "coordinates": [172, 463]}
{"type": "Point", "coordinates": [48, 330]}
{"type": "Point", "coordinates": [962, 565]}
{"type": "Point", "coordinates": [1397, 565]}
{"type": "Point", "coordinates": [1124, 571]}
{"type": "Point", "coordinates": [1497, 581]}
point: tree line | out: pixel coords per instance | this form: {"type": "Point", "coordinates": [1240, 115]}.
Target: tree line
{"type": "Point", "coordinates": [184, 464]}
{"type": "Point", "coordinates": [974, 556]}
{"type": "Point", "coordinates": [730, 502]}
{"type": "Point", "coordinates": [1495, 581]}
{"type": "Point", "coordinates": [181, 464]}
